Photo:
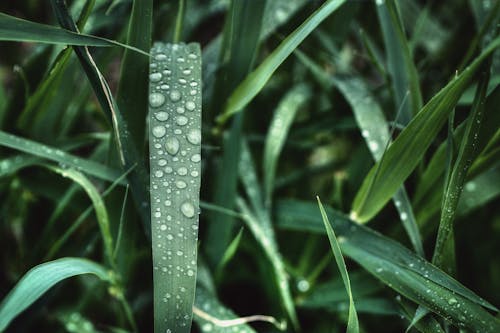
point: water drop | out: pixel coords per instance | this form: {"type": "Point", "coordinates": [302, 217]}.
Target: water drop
{"type": "Point", "coordinates": [159, 131]}
{"type": "Point", "coordinates": [365, 133]}
{"type": "Point", "coordinates": [187, 209]}
{"type": "Point", "coordinates": [181, 120]}
{"type": "Point", "coordinates": [452, 301]}
{"type": "Point", "coordinates": [159, 174]}
{"type": "Point", "coordinates": [192, 56]}
{"type": "Point", "coordinates": [194, 136]}
{"type": "Point", "coordinates": [163, 227]}
{"type": "Point", "coordinates": [194, 173]}
{"type": "Point", "coordinates": [180, 110]}
{"type": "Point", "coordinates": [190, 105]}
{"type": "Point", "coordinates": [168, 203]}
{"type": "Point", "coordinates": [170, 237]}
{"type": "Point", "coordinates": [186, 72]}
{"type": "Point", "coordinates": [172, 146]}
{"type": "Point", "coordinates": [303, 285]}
{"type": "Point", "coordinates": [190, 272]}
{"type": "Point", "coordinates": [182, 81]}
{"type": "Point", "coordinates": [161, 116]}
{"type": "Point", "coordinates": [160, 57]}
{"type": "Point", "coordinates": [156, 100]}
{"type": "Point", "coordinates": [155, 77]}
{"type": "Point", "coordinates": [404, 216]}
{"type": "Point", "coordinates": [196, 158]}
{"type": "Point", "coordinates": [175, 95]}
{"type": "Point", "coordinates": [180, 253]}
{"type": "Point", "coordinates": [162, 162]}
{"type": "Point", "coordinates": [182, 171]}
{"type": "Point", "coordinates": [180, 184]}
{"type": "Point", "coordinates": [373, 145]}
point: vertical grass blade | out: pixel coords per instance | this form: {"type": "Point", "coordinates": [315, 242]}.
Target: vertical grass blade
{"type": "Point", "coordinates": [278, 131]}
{"type": "Point", "coordinates": [256, 80]}
{"type": "Point", "coordinates": [38, 280]}
{"type": "Point", "coordinates": [352, 323]}
{"type": "Point", "coordinates": [175, 168]}
{"type": "Point", "coordinates": [407, 150]}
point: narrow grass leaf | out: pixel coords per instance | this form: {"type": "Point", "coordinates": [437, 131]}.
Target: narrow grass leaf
{"type": "Point", "coordinates": [127, 149]}
{"type": "Point", "coordinates": [230, 251]}
{"type": "Point", "coordinates": [132, 96]}
{"type": "Point", "coordinates": [175, 171]}
{"type": "Point", "coordinates": [458, 177]}
{"type": "Point", "coordinates": [407, 150]}
{"type": "Point", "coordinates": [402, 70]}
{"type": "Point", "coordinates": [40, 279]}
{"type": "Point", "coordinates": [16, 29]}
{"type": "Point", "coordinates": [374, 130]}
{"type": "Point", "coordinates": [256, 80]}
{"type": "Point", "coordinates": [352, 323]}
{"type": "Point", "coordinates": [57, 155]}
{"type": "Point", "coordinates": [278, 131]}
{"type": "Point", "coordinates": [397, 267]}
{"type": "Point", "coordinates": [99, 207]}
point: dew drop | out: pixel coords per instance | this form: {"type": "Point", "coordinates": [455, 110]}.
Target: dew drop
{"type": "Point", "coordinates": [190, 105]}
{"type": "Point", "coordinates": [187, 209]}
{"type": "Point", "coordinates": [196, 158]}
{"type": "Point", "coordinates": [175, 95]}
{"type": "Point", "coordinates": [182, 81]}
{"type": "Point", "coordinates": [160, 57]}
{"type": "Point", "coordinates": [164, 87]}
{"type": "Point", "coordinates": [180, 110]}
{"type": "Point", "coordinates": [161, 116]}
{"type": "Point", "coordinates": [159, 174]}
{"type": "Point", "coordinates": [156, 99]}
{"type": "Point", "coordinates": [162, 162]}
{"type": "Point", "coordinates": [159, 131]}
{"type": "Point", "coordinates": [163, 227]}
{"type": "Point", "coordinates": [167, 203]}
{"type": "Point", "coordinates": [192, 56]}
{"type": "Point", "coordinates": [186, 72]}
{"type": "Point", "coordinates": [452, 301]}
{"type": "Point", "coordinates": [182, 171]}
{"type": "Point", "coordinates": [190, 272]}
{"type": "Point", "coordinates": [194, 136]}
{"type": "Point", "coordinates": [181, 120]}
{"type": "Point", "coordinates": [194, 173]}
{"type": "Point", "coordinates": [155, 77]}
{"type": "Point", "coordinates": [170, 237]}
{"type": "Point", "coordinates": [373, 145]}
{"type": "Point", "coordinates": [180, 184]}
{"type": "Point", "coordinates": [172, 146]}
{"type": "Point", "coordinates": [180, 253]}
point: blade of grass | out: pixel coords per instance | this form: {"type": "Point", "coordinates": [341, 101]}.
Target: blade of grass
{"type": "Point", "coordinates": [256, 80]}
{"type": "Point", "coordinates": [352, 323]}
{"type": "Point", "coordinates": [40, 279]}
{"type": "Point", "coordinates": [397, 267]}
{"type": "Point", "coordinates": [128, 151]}
{"type": "Point", "coordinates": [457, 179]}
{"type": "Point", "coordinates": [179, 20]}
{"type": "Point", "coordinates": [16, 29]}
{"type": "Point", "coordinates": [404, 76]}
{"type": "Point", "coordinates": [175, 168]}
{"type": "Point", "coordinates": [278, 131]}
{"type": "Point", "coordinates": [132, 96]}
{"type": "Point", "coordinates": [57, 155]}
{"type": "Point", "coordinates": [407, 150]}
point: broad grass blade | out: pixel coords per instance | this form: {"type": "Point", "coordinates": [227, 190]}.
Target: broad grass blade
{"type": "Point", "coordinates": [40, 279]}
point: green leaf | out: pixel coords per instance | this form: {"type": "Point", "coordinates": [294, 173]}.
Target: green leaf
{"type": "Point", "coordinates": [40, 279]}
{"type": "Point", "coordinates": [407, 150]}
{"type": "Point", "coordinates": [397, 267]}
{"type": "Point", "coordinates": [175, 171]}
{"type": "Point", "coordinates": [352, 323]}
{"type": "Point", "coordinates": [278, 131]}
{"type": "Point", "coordinates": [256, 80]}
{"type": "Point", "coordinates": [57, 155]}
{"type": "Point", "coordinates": [19, 30]}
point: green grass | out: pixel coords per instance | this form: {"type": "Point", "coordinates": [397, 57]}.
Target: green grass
{"type": "Point", "coordinates": [208, 221]}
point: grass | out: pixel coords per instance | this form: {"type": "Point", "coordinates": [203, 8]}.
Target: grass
{"type": "Point", "coordinates": [359, 103]}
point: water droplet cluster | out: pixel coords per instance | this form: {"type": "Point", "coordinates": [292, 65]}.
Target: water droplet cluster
{"type": "Point", "coordinates": [175, 158]}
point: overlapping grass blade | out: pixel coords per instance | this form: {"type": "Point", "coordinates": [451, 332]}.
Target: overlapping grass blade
{"type": "Point", "coordinates": [404, 76]}
{"type": "Point", "coordinates": [128, 151]}
{"type": "Point", "coordinates": [278, 131]}
{"type": "Point", "coordinates": [175, 169]}
{"type": "Point", "coordinates": [407, 150]}
{"type": "Point", "coordinates": [352, 323]}
{"type": "Point", "coordinates": [57, 155]}
{"type": "Point", "coordinates": [256, 80]}
{"type": "Point", "coordinates": [40, 279]}
{"type": "Point", "coordinates": [457, 179]}
{"type": "Point", "coordinates": [397, 267]}
{"type": "Point", "coordinates": [16, 29]}
{"type": "Point", "coordinates": [132, 96]}
{"type": "Point", "coordinates": [241, 34]}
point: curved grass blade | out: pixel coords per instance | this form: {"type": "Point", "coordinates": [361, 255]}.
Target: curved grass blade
{"type": "Point", "coordinates": [278, 131]}
{"type": "Point", "coordinates": [457, 179]}
{"type": "Point", "coordinates": [128, 151]}
{"type": "Point", "coordinates": [40, 279]}
{"type": "Point", "coordinates": [256, 80]}
{"type": "Point", "coordinates": [404, 76]}
{"type": "Point", "coordinates": [175, 165]}
{"type": "Point", "coordinates": [397, 267]}
{"type": "Point", "coordinates": [19, 30]}
{"type": "Point", "coordinates": [54, 154]}
{"type": "Point", "coordinates": [406, 151]}
{"type": "Point", "coordinates": [352, 323]}
{"type": "Point", "coordinates": [132, 95]}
